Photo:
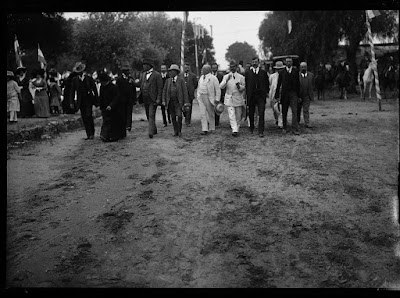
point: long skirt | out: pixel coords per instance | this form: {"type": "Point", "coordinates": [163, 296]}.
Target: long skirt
{"type": "Point", "coordinates": [113, 127]}
{"type": "Point", "coordinates": [42, 107]}
{"type": "Point", "coordinates": [27, 109]}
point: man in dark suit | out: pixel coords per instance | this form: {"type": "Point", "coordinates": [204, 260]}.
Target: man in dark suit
{"type": "Point", "coordinates": [257, 88]}
{"type": "Point", "coordinates": [164, 77]}
{"type": "Point", "coordinates": [214, 71]}
{"type": "Point", "coordinates": [150, 83]}
{"type": "Point", "coordinates": [84, 87]}
{"type": "Point", "coordinates": [306, 93]}
{"type": "Point", "coordinates": [127, 93]}
{"type": "Point", "coordinates": [289, 80]}
{"type": "Point", "coordinates": [191, 85]}
{"type": "Point", "coordinates": [174, 96]}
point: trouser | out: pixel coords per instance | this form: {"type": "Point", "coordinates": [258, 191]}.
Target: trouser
{"type": "Point", "coordinates": [207, 113]}
{"type": "Point", "coordinates": [305, 104]}
{"type": "Point", "coordinates": [175, 112]}
{"type": "Point", "coordinates": [13, 115]}
{"type": "Point", "coordinates": [164, 117]}
{"type": "Point", "coordinates": [259, 101]}
{"type": "Point", "coordinates": [216, 119]}
{"type": "Point", "coordinates": [291, 100]}
{"type": "Point", "coordinates": [151, 116]}
{"type": "Point", "coordinates": [235, 116]}
{"type": "Point", "coordinates": [277, 114]}
{"type": "Point", "coordinates": [188, 113]}
{"type": "Point", "coordinates": [87, 119]}
{"type": "Point", "coordinates": [128, 112]}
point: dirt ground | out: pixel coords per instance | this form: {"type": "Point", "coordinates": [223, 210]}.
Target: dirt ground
{"type": "Point", "coordinates": [315, 210]}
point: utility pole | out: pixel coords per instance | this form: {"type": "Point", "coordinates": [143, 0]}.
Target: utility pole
{"type": "Point", "coordinates": [185, 18]}
{"type": "Point", "coordinates": [196, 33]}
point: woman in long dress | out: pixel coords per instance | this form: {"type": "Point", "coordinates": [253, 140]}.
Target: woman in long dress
{"type": "Point", "coordinates": [26, 105]}
{"type": "Point", "coordinates": [13, 97]}
{"type": "Point", "coordinates": [40, 99]}
{"type": "Point", "coordinates": [113, 127]}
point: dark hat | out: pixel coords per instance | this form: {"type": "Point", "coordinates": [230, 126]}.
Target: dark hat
{"type": "Point", "coordinates": [232, 63]}
{"type": "Point", "coordinates": [103, 76]}
{"type": "Point", "coordinates": [79, 67]}
{"type": "Point", "coordinates": [10, 73]}
{"type": "Point", "coordinates": [125, 66]}
{"type": "Point", "coordinates": [21, 68]}
{"type": "Point", "coordinates": [174, 67]}
{"type": "Point", "coordinates": [149, 62]}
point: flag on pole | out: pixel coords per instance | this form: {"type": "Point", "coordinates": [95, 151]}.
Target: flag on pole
{"type": "Point", "coordinates": [373, 13]}
{"type": "Point", "coordinates": [289, 25]}
{"type": "Point", "coordinates": [201, 32]}
{"type": "Point", "coordinates": [43, 63]}
{"type": "Point", "coordinates": [203, 61]}
{"type": "Point", "coordinates": [17, 52]}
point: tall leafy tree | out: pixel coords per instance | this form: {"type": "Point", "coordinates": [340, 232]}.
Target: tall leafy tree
{"type": "Point", "coordinates": [240, 51]}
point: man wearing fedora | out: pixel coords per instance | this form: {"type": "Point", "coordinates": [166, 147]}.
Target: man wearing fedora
{"type": "Point", "coordinates": [127, 92]}
{"type": "Point", "coordinates": [84, 88]}
{"type": "Point", "coordinates": [215, 72]}
{"type": "Point", "coordinates": [289, 80]}
{"type": "Point", "coordinates": [150, 84]}
{"type": "Point", "coordinates": [208, 95]}
{"type": "Point", "coordinates": [174, 97]}
{"type": "Point", "coordinates": [234, 83]}
{"type": "Point", "coordinates": [257, 87]}
{"type": "Point", "coordinates": [273, 83]}
{"type": "Point", "coordinates": [191, 85]}
{"type": "Point", "coordinates": [306, 94]}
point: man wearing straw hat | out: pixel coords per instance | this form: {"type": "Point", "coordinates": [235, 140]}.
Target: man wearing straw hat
{"type": "Point", "coordinates": [174, 97]}
{"type": "Point", "coordinates": [273, 83]}
{"type": "Point", "coordinates": [234, 83]}
{"type": "Point", "coordinates": [151, 87]}
{"type": "Point", "coordinates": [86, 96]}
{"type": "Point", "coordinates": [208, 95]}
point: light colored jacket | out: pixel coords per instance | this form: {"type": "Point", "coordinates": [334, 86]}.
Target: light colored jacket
{"type": "Point", "coordinates": [233, 95]}
{"type": "Point", "coordinates": [213, 89]}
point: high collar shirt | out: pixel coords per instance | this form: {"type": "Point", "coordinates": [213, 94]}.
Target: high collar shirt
{"type": "Point", "coordinates": [304, 75]}
{"type": "Point", "coordinates": [203, 83]}
{"type": "Point", "coordinates": [255, 70]}
{"type": "Point", "coordinates": [163, 75]}
{"type": "Point", "coordinates": [148, 74]}
{"type": "Point", "coordinates": [289, 70]}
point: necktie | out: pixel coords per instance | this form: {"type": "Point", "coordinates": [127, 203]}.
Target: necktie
{"type": "Point", "coordinates": [186, 75]}
{"type": "Point", "coordinates": [204, 77]}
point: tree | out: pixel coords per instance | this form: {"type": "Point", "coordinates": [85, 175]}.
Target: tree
{"type": "Point", "coordinates": [240, 51]}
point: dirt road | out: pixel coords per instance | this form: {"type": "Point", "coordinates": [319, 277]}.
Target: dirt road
{"type": "Point", "coordinates": [314, 210]}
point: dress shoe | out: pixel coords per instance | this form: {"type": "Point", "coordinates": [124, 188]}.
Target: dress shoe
{"type": "Point", "coordinates": [203, 133]}
{"type": "Point", "coordinates": [150, 136]}
{"type": "Point", "coordinates": [175, 134]}
{"type": "Point", "coordinates": [188, 124]}
{"type": "Point", "coordinates": [128, 128]}
{"type": "Point", "coordinates": [155, 133]}
{"type": "Point", "coordinates": [261, 135]}
{"type": "Point", "coordinates": [308, 126]}
{"type": "Point", "coordinates": [284, 131]}
{"type": "Point", "coordinates": [296, 133]}
{"type": "Point", "coordinates": [91, 137]}
{"type": "Point", "coordinates": [169, 121]}
{"type": "Point", "coordinates": [87, 138]}
{"type": "Point", "coordinates": [165, 125]}
{"type": "Point", "coordinates": [234, 134]}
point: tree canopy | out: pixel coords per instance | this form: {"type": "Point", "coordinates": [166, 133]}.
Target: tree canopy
{"type": "Point", "coordinates": [240, 51]}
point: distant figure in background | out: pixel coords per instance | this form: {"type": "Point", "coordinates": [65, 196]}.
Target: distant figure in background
{"type": "Point", "coordinates": [320, 83]}
{"type": "Point", "coordinates": [55, 96]}
{"type": "Point", "coordinates": [208, 95]}
{"type": "Point", "coordinates": [191, 85]}
{"type": "Point", "coordinates": [174, 97]}
{"type": "Point", "coordinates": [111, 106]}
{"type": "Point", "coordinates": [26, 105]}
{"type": "Point", "coordinates": [214, 71]}
{"type": "Point", "coordinates": [13, 97]}
{"type": "Point", "coordinates": [127, 93]}
{"type": "Point", "coordinates": [41, 102]}
{"type": "Point", "coordinates": [343, 78]}
{"type": "Point", "coordinates": [306, 94]}
{"type": "Point", "coordinates": [84, 87]}
{"type": "Point", "coordinates": [273, 83]}
{"type": "Point", "coordinates": [164, 77]}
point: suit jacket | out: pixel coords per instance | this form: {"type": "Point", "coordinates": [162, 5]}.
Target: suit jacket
{"type": "Point", "coordinates": [86, 91]}
{"type": "Point", "coordinates": [191, 83]}
{"type": "Point", "coordinates": [164, 79]}
{"type": "Point", "coordinates": [155, 85]}
{"type": "Point", "coordinates": [220, 78]}
{"type": "Point", "coordinates": [213, 89]}
{"type": "Point", "coordinates": [126, 89]}
{"type": "Point", "coordinates": [183, 96]}
{"type": "Point", "coordinates": [307, 86]}
{"type": "Point", "coordinates": [288, 82]}
{"type": "Point", "coordinates": [250, 79]}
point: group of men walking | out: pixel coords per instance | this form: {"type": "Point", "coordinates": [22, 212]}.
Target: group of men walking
{"type": "Point", "coordinates": [241, 93]}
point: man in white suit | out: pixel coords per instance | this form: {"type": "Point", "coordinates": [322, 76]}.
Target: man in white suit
{"type": "Point", "coordinates": [234, 83]}
{"type": "Point", "coordinates": [208, 95]}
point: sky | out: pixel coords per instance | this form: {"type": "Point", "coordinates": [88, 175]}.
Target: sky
{"type": "Point", "coordinates": [228, 27]}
